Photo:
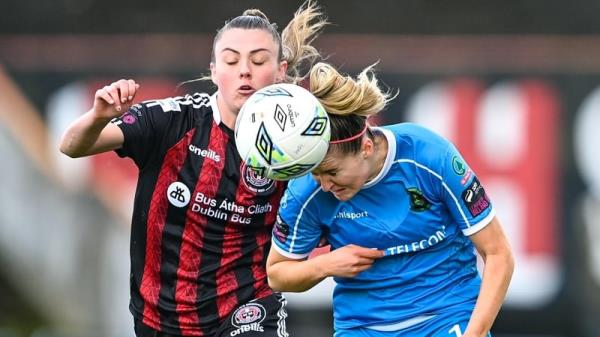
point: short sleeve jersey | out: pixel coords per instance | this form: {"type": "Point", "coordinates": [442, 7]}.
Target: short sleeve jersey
{"type": "Point", "coordinates": [202, 220]}
{"type": "Point", "coordinates": [420, 209]}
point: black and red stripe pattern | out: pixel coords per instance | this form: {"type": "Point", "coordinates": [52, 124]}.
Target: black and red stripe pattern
{"type": "Point", "coordinates": [194, 259]}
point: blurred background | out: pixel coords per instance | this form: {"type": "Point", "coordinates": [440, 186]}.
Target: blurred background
{"type": "Point", "coordinates": [515, 84]}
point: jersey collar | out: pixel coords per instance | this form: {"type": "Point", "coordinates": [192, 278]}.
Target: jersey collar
{"type": "Point", "coordinates": [389, 159]}
{"type": "Point", "coordinates": [215, 108]}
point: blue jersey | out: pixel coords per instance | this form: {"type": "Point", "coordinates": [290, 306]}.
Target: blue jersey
{"type": "Point", "coordinates": [420, 209]}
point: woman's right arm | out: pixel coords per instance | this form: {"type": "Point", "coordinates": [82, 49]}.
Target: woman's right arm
{"type": "Point", "coordinates": [285, 274]}
{"type": "Point", "coordinates": [92, 133]}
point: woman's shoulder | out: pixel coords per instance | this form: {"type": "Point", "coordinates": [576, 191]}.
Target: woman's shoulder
{"type": "Point", "coordinates": [417, 135]}
{"type": "Point", "coordinates": [419, 144]}
{"type": "Point", "coordinates": [178, 103]}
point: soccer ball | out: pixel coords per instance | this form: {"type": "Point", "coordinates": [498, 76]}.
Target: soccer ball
{"type": "Point", "coordinates": [282, 132]}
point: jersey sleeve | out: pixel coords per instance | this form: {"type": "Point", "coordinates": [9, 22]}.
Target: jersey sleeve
{"type": "Point", "coordinates": [463, 193]}
{"type": "Point", "coordinates": [143, 126]}
{"type": "Point", "coordinates": [297, 231]}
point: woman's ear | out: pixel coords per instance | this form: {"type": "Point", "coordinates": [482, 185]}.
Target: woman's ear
{"type": "Point", "coordinates": [283, 65]}
{"type": "Point", "coordinates": [367, 148]}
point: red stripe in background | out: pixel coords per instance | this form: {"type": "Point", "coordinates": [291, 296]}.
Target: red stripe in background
{"type": "Point", "coordinates": [538, 172]}
{"type": "Point", "coordinates": [190, 254]}
{"type": "Point", "coordinates": [535, 172]}
{"type": "Point", "coordinates": [157, 214]}
{"type": "Point", "coordinates": [466, 94]}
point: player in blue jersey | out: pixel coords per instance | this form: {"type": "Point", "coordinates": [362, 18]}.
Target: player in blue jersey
{"type": "Point", "coordinates": [404, 214]}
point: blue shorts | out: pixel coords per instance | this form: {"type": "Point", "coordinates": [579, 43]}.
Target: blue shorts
{"type": "Point", "coordinates": [450, 324]}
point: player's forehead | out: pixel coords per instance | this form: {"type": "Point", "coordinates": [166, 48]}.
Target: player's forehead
{"type": "Point", "coordinates": [332, 162]}
{"type": "Point", "coordinates": [238, 40]}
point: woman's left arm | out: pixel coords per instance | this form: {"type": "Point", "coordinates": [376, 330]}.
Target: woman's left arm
{"type": "Point", "coordinates": [493, 246]}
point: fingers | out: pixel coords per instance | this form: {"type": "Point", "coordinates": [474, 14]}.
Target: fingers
{"type": "Point", "coordinates": [133, 87]}
{"type": "Point", "coordinates": [124, 90]}
{"type": "Point", "coordinates": [118, 93]}
{"type": "Point", "coordinates": [113, 93]}
{"type": "Point", "coordinates": [370, 253]}
{"type": "Point", "coordinates": [359, 267]}
{"type": "Point", "coordinates": [363, 261]}
{"type": "Point", "coordinates": [105, 95]}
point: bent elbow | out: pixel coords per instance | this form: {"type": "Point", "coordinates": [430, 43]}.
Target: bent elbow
{"type": "Point", "coordinates": [65, 147]}
{"type": "Point", "coordinates": [274, 285]}
{"type": "Point", "coordinates": [66, 150]}
{"type": "Point", "coordinates": [272, 280]}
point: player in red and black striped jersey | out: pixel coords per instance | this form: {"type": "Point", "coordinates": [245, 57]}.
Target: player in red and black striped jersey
{"type": "Point", "coordinates": [202, 222]}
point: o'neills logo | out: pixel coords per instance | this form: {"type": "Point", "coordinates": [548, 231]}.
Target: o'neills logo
{"type": "Point", "coordinates": [204, 153]}
{"type": "Point", "coordinates": [255, 181]}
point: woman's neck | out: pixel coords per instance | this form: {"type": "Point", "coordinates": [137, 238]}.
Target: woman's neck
{"type": "Point", "coordinates": [229, 120]}
{"type": "Point", "coordinates": [228, 117]}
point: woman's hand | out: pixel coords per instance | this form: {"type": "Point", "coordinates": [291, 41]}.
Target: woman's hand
{"type": "Point", "coordinates": [114, 99]}
{"type": "Point", "coordinates": [349, 260]}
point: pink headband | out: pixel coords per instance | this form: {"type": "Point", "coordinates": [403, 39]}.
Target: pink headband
{"type": "Point", "coordinates": [344, 140]}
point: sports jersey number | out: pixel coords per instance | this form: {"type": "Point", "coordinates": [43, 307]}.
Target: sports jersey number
{"type": "Point", "coordinates": [455, 330]}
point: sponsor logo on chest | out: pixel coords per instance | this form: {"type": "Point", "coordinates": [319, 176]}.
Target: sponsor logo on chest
{"type": "Point", "coordinates": [206, 153]}
{"type": "Point", "coordinates": [351, 215]}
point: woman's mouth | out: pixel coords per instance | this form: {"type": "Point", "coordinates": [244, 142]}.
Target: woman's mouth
{"type": "Point", "coordinates": [246, 90]}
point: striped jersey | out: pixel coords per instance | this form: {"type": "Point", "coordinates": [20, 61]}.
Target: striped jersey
{"type": "Point", "coordinates": [420, 209]}
{"type": "Point", "coordinates": [201, 222]}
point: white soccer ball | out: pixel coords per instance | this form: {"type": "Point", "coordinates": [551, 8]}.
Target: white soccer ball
{"type": "Point", "coordinates": [282, 132]}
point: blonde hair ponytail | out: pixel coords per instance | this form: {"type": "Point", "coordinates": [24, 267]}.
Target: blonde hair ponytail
{"type": "Point", "coordinates": [343, 95]}
{"type": "Point", "coordinates": [297, 38]}
{"type": "Point", "coordinates": [349, 102]}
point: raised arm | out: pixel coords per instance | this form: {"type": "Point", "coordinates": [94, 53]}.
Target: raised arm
{"type": "Point", "coordinates": [493, 247]}
{"type": "Point", "coordinates": [286, 274]}
{"type": "Point", "coordinates": [92, 133]}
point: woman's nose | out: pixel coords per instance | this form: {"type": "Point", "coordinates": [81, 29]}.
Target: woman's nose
{"type": "Point", "coordinates": [244, 74]}
{"type": "Point", "coordinates": [326, 184]}
{"type": "Point", "coordinates": [244, 70]}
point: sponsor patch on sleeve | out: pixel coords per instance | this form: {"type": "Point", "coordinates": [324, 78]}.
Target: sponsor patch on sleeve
{"type": "Point", "coordinates": [137, 109]}
{"type": "Point", "coordinates": [281, 230]}
{"type": "Point", "coordinates": [169, 104]}
{"type": "Point", "coordinates": [475, 198]}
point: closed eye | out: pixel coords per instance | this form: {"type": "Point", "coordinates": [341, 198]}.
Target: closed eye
{"type": "Point", "coordinates": [331, 173]}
